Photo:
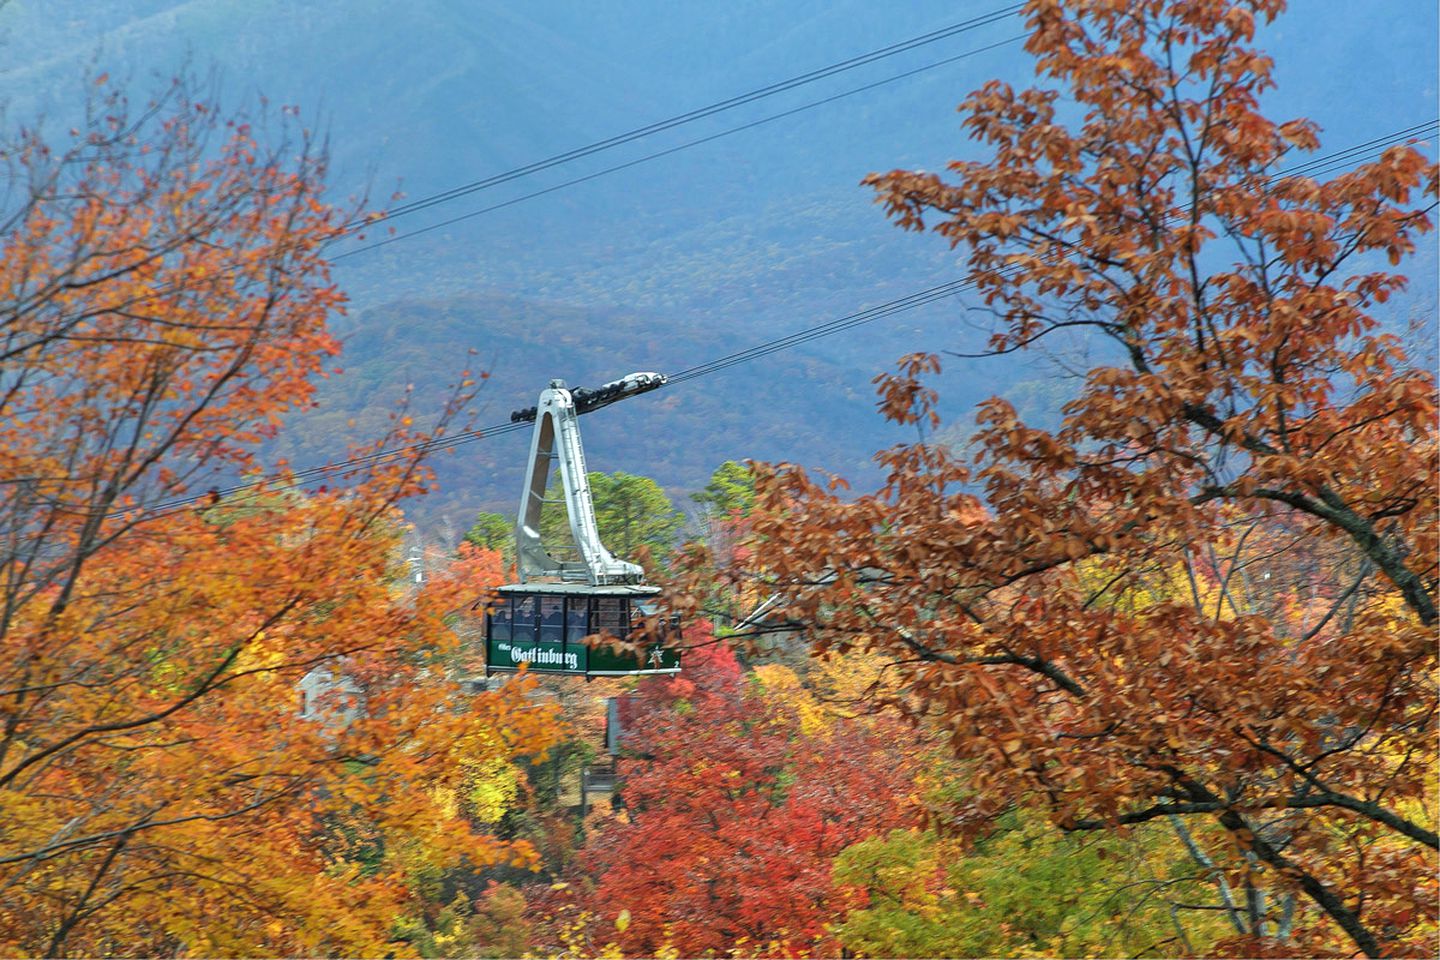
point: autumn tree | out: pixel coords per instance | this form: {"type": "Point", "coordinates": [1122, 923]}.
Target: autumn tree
{"type": "Point", "coordinates": [163, 304]}
{"type": "Point", "coordinates": [740, 792]}
{"type": "Point", "coordinates": [722, 535]}
{"type": "Point", "coordinates": [493, 531]}
{"type": "Point", "coordinates": [1208, 598]}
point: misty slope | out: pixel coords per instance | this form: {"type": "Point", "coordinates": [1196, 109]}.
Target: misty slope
{"type": "Point", "coordinates": [788, 407]}
{"type": "Point", "coordinates": [668, 263]}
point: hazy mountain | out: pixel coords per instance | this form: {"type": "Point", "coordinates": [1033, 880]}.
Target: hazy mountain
{"type": "Point", "coordinates": [670, 262]}
{"type": "Point", "coordinates": [794, 406]}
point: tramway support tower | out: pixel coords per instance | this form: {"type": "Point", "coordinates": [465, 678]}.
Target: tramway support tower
{"type": "Point", "coordinates": [543, 621]}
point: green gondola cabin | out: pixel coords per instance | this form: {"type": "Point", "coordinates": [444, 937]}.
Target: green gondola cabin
{"type": "Point", "coordinates": [541, 623]}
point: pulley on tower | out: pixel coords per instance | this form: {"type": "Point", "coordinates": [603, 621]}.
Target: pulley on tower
{"type": "Point", "coordinates": [543, 620]}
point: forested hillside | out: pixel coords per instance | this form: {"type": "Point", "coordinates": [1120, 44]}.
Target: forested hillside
{"type": "Point", "coordinates": [795, 407]}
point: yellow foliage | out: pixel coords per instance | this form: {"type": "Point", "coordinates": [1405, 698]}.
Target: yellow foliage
{"type": "Point", "coordinates": [781, 683]}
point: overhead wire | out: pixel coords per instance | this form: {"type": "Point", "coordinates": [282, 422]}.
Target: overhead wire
{"type": "Point", "coordinates": [425, 447]}
{"type": "Point", "coordinates": [920, 298]}
{"type": "Point", "coordinates": [299, 478]}
{"type": "Point", "coordinates": [689, 116]}
{"type": "Point", "coordinates": [1368, 150]}
{"type": "Point", "coordinates": [361, 224]}
{"type": "Point", "coordinates": [429, 228]}
{"type": "Point", "coordinates": [1330, 162]}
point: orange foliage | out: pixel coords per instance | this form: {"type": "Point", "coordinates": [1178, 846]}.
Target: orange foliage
{"type": "Point", "coordinates": [163, 301]}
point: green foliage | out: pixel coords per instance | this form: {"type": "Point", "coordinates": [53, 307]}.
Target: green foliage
{"type": "Point", "coordinates": [631, 512]}
{"type": "Point", "coordinates": [555, 520]}
{"type": "Point", "coordinates": [494, 531]}
{"type": "Point", "coordinates": [495, 925]}
{"type": "Point", "coordinates": [1026, 890]}
{"type": "Point", "coordinates": [730, 492]}
{"type": "Point", "coordinates": [904, 917]}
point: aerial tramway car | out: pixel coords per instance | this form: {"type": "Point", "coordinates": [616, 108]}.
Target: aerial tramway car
{"type": "Point", "coordinates": [543, 621]}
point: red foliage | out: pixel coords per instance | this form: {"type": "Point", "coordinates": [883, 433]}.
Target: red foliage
{"type": "Point", "coordinates": [733, 819]}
